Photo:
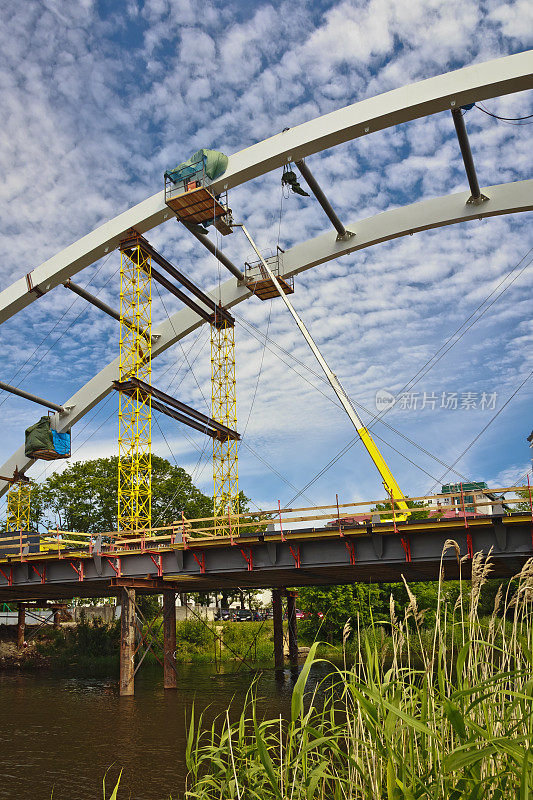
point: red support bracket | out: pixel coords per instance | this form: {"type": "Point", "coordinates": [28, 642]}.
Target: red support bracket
{"type": "Point", "coordinates": [80, 572]}
{"type": "Point", "coordinates": [9, 578]}
{"type": "Point", "coordinates": [116, 566]}
{"type": "Point", "coordinates": [350, 546]}
{"type": "Point", "coordinates": [249, 559]}
{"type": "Point", "coordinates": [469, 546]}
{"type": "Point", "coordinates": [393, 512]}
{"type": "Point", "coordinates": [296, 555]}
{"type": "Point", "coordinates": [406, 548]}
{"type": "Point", "coordinates": [200, 561]}
{"type": "Point", "coordinates": [158, 564]}
{"type": "Point", "coordinates": [42, 575]}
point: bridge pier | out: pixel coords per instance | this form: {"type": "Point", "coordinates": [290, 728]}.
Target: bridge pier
{"type": "Point", "coordinates": [170, 677]}
{"type": "Point", "coordinates": [292, 625]}
{"type": "Point", "coordinates": [127, 641]}
{"type": "Point", "coordinates": [21, 623]}
{"type": "Point", "coordinates": [277, 613]}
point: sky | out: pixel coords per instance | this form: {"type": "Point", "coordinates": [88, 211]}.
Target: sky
{"type": "Point", "coordinates": [99, 98]}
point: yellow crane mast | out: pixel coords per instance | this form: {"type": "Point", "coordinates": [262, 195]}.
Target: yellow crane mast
{"type": "Point", "coordinates": [135, 407]}
{"type": "Point", "coordinates": [224, 410]}
{"type": "Point", "coordinates": [18, 506]}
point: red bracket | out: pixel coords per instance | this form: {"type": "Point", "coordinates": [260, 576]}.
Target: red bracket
{"type": "Point", "coordinates": [200, 561]}
{"type": "Point", "coordinates": [158, 564]}
{"type": "Point", "coordinates": [296, 556]}
{"type": "Point", "coordinates": [341, 534]}
{"type": "Point", "coordinates": [280, 523]}
{"type": "Point", "coordinates": [249, 559]}
{"type": "Point", "coordinates": [351, 551]}
{"type": "Point", "coordinates": [406, 548]}
{"type": "Point", "coordinates": [80, 572]}
{"type": "Point", "coordinates": [9, 578]}
{"type": "Point", "coordinates": [469, 546]}
{"type": "Point", "coordinates": [116, 566]}
{"type": "Point", "coordinates": [42, 575]}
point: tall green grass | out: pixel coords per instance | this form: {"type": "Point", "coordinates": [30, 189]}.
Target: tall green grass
{"type": "Point", "coordinates": [451, 721]}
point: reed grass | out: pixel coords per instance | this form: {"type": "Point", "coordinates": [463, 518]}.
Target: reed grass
{"type": "Point", "coordinates": [451, 721]}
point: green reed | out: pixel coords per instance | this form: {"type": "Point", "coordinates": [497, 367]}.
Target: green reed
{"type": "Point", "coordinates": [452, 721]}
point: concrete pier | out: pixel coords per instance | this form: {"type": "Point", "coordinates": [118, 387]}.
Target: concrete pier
{"type": "Point", "coordinates": [127, 641]}
{"type": "Point", "coordinates": [170, 678]}
{"type": "Point", "coordinates": [292, 625]}
{"type": "Point", "coordinates": [21, 624]}
{"type": "Point", "coordinates": [279, 661]}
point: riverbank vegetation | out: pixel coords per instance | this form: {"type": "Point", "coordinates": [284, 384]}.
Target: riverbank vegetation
{"type": "Point", "coordinates": [453, 720]}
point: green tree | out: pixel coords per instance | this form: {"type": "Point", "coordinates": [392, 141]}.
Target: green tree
{"type": "Point", "coordinates": [83, 496]}
{"type": "Point", "coordinates": [337, 604]}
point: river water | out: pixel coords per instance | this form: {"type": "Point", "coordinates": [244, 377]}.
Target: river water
{"type": "Point", "coordinates": [61, 734]}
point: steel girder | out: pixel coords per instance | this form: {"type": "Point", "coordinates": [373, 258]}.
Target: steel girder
{"type": "Point", "coordinates": [435, 213]}
{"type": "Point", "coordinates": [322, 557]}
{"type": "Point", "coordinates": [449, 91]}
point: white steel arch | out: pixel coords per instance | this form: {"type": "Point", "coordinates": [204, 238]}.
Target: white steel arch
{"type": "Point", "coordinates": [451, 90]}
{"type": "Point", "coordinates": [425, 215]}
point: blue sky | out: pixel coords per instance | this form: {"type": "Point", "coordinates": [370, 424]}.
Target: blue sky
{"type": "Point", "coordinates": [99, 98]}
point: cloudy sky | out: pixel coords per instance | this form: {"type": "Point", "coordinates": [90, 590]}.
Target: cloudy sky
{"type": "Point", "coordinates": [99, 98]}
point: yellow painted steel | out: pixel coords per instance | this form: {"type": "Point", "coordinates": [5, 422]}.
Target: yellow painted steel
{"type": "Point", "coordinates": [224, 410]}
{"type": "Point", "coordinates": [389, 481]}
{"type": "Point", "coordinates": [18, 506]}
{"type": "Point", "coordinates": [135, 409]}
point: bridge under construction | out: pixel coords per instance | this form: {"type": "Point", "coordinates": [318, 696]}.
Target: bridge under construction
{"type": "Point", "coordinates": [269, 548]}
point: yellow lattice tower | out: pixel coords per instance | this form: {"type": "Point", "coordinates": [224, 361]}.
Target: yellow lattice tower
{"type": "Point", "coordinates": [18, 506]}
{"type": "Point", "coordinates": [224, 410]}
{"type": "Point", "coordinates": [135, 408]}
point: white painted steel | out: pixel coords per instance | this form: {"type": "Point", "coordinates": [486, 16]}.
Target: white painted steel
{"type": "Point", "coordinates": [504, 199]}
{"type": "Point", "coordinates": [451, 90]}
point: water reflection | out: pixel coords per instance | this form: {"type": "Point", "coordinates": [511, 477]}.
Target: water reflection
{"type": "Point", "coordinates": [64, 733]}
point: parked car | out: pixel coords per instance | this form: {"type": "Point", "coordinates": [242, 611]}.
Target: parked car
{"type": "Point", "coordinates": [243, 615]}
{"type": "Point", "coordinates": [223, 614]}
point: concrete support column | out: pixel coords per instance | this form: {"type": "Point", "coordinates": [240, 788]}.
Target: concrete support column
{"type": "Point", "coordinates": [279, 661]}
{"type": "Point", "coordinates": [170, 678]}
{"type": "Point", "coordinates": [292, 628]}
{"type": "Point", "coordinates": [57, 618]}
{"type": "Point", "coordinates": [21, 624]}
{"type": "Point", "coordinates": [127, 641]}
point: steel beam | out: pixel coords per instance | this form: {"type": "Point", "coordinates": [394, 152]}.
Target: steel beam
{"type": "Point", "coordinates": [444, 92]}
{"type": "Point", "coordinates": [313, 184]}
{"type": "Point", "coordinates": [180, 277]}
{"type": "Point", "coordinates": [426, 215]}
{"type": "Point", "coordinates": [460, 128]}
{"type": "Point", "coordinates": [206, 241]}
{"type": "Point", "coordinates": [95, 301]}
{"type": "Point", "coordinates": [28, 396]}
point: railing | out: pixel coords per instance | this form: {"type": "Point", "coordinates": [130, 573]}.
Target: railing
{"type": "Point", "coordinates": [254, 271]}
{"type": "Point", "coordinates": [333, 518]}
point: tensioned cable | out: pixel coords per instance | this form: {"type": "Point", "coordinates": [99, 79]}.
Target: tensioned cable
{"type": "Point", "coordinates": [54, 326]}
{"type": "Point", "coordinates": [482, 431]}
{"type": "Point", "coordinates": [258, 377]}
{"type": "Point", "coordinates": [410, 384]}
{"type": "Point", "coordinates": [355, 402]}
{"type": "Point", "coordinates": [481, 107]}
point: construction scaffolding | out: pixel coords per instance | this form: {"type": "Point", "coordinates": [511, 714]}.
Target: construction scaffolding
{"type": "Point", "coordinates": [224, 410]}
{"type": "Point", "coordinates": [18, 506]}
{"type": "Point", "coordinates": [135, 407]}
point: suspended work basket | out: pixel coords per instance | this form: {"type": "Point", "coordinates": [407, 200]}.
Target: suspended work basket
{"type": "Point", "coordinates": [45, 443]}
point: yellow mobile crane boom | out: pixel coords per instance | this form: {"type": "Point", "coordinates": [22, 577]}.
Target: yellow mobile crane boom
{"type": "Point", "coordinates": [389, 481]}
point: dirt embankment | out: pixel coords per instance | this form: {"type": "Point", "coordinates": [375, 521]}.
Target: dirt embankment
{"type": "Point", "coordinates": [28, 658]}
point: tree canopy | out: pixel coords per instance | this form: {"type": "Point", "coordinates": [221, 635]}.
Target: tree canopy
{"type": "Point", "coordinates": [84, 495]}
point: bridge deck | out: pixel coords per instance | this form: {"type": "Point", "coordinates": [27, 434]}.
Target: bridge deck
{"type": "Point", "coordinates": [295, 558]}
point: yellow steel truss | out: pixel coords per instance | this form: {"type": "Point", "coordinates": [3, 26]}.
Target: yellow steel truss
{"type": "Point", "coordinates": [224, 410]}
{"type": "Point", "coordinates": [135, 409]}
{"type": "Point", "coordinates": [18, 506]}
